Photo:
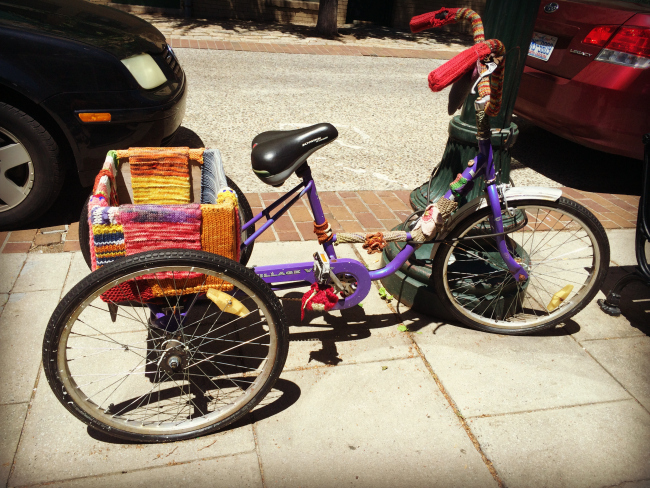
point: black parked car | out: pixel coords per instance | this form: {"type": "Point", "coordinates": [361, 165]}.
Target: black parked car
{"type": "Point", "coordinates": [76, 80]}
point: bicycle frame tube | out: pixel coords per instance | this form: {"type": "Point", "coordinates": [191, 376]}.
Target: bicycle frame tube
{"type": "Point", "coordinates": [309, 188]}
{"type": "Point", "coordinates": [484, 164]}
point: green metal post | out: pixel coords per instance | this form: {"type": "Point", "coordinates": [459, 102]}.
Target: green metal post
{"type": "Point", "coordinates": [510, 21]}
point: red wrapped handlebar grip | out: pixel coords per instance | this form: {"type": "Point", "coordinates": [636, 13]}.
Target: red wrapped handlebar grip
{"type": "Point", "coordinates": [433, 19]}
{"type": "Point", "coordinates": [457, 66]}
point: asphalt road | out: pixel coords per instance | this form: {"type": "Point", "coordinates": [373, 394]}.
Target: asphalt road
{"type": "Point", "coordinates": [392, 128]}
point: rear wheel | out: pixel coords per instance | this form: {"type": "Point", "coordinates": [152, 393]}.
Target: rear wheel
{"type": "Point", "coordinates": [245, 214]}
{"type": "Point", "coordinates": [562, 247]}
{"type": "Point", "coordinates": [31, 168]}
{"type": "Point", "coordinates": [177, 367]}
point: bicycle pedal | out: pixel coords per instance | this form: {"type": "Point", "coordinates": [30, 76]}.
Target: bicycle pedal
{"type": "Point", "coordinates": [321, 267]}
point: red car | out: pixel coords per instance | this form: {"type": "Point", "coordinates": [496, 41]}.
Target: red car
{"type": "Point", "coordinates": [587, 74]}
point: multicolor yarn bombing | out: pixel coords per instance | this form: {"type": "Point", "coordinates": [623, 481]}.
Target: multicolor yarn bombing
{"type": "Point", "coordinates": [107, 235]}
{"type": "Point", "coordinates": [160, 175]}
{"type": "Point", "coordinates": [152, 227]}
{"type": "Point", "coordinates": [104, 194]}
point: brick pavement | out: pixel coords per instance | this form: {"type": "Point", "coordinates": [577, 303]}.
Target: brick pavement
{"type": "Point", "coordinates": [347, 211]}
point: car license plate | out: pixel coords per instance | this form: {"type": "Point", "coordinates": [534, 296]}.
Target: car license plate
{"type": "Point", "coordinates": [541, 46]}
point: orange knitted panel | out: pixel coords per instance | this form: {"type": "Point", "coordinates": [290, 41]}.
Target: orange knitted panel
{"type": "Point", "coordinates": [160, 175]}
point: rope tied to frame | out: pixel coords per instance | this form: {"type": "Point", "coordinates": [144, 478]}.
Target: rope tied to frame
{"type": "Point", "coordinates": [323, 232]}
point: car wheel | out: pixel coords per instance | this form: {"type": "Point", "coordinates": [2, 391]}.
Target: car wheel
{"type": "Point", "coordinates": [31, 169]}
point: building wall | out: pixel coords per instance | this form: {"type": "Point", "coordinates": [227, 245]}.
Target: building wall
{"type": "Point", "coordinates": [283, 11]}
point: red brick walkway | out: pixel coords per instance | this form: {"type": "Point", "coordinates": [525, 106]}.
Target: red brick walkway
{"type": "Point", "coordinates": [347, 211]}
{"type": "Point", "coordinates": [269, 47]}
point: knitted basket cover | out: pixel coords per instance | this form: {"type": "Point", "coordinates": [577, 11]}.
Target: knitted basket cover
{"type": "Point", "coordinates": [130, 229]}
{"type": "Point", "coordinates": [160, 175]}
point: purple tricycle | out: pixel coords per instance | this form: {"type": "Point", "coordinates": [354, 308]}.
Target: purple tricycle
{"type": "Point", "coordinates": [513, 261]}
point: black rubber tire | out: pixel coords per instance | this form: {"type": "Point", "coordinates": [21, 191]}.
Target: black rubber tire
{"type": "Point", "coordinates": [48, 166]}
{"type": "Point", "coordinates": [245, 214]}
{"type": "Point", "coordinates": [440, 275]}
{"type": "Point", "coordinates": [84, 233]}
{"type": "Point", "coordinates": [73, 304]}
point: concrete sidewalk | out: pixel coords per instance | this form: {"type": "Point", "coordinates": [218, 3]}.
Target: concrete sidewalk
{"type": "Point", "coordinates": [360, 402]}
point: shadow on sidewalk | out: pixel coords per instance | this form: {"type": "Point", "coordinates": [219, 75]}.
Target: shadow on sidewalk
{"type": "Point", "coordinates": [347, 34]}
{"type": "Point", "coordinates": [283, 395]}
{"type": "Point", "coordinates": [573, 165]}
{"type": "Point", "coordinates": [354, 325]}
{"type": "Point", "coordinates": [635, 299]}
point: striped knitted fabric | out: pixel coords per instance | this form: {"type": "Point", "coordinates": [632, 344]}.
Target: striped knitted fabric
{"type": "Point", "coordinates": [108, 235]}
{"type": "Point", "coordinates": [160, 175]}
{"type": "Point", "coordinates": [475, 20]}
{"type": "Point", "coordinates": [219, 235]}
{"type": "Point", "coordinates": [213, 177]}
{"type": "Point", "coordinates": [152, 227]}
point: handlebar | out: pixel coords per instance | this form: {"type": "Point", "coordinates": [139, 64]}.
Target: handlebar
{"type": "Point", "coordinates": [484, 51]}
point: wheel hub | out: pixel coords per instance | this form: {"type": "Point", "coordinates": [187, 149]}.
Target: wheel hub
{"type": "Point", "coordinates": [174, 358]}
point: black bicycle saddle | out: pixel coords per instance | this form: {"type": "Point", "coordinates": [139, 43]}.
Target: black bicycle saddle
{"type": "Point", "coordinates": [277, 154]}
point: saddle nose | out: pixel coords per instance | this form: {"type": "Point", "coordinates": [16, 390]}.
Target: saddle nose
{"type": "Point", "coordinates": [276, 155]}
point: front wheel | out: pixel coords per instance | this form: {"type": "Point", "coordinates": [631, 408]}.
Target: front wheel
{"type": "Point", "coordinates": [138, 351]}
{"type": "Point", "coordinates": [563, 247]}
{"type": "Point", "coordinates": [32, 168]}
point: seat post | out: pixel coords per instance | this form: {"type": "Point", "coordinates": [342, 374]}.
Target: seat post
{"type": "Point", "coordinates": [304, 172]}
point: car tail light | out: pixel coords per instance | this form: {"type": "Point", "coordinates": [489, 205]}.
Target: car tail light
{"type": "Point", "coordinates": [599, 35]}
{"type": "Point", "coordinates": [630, 46]}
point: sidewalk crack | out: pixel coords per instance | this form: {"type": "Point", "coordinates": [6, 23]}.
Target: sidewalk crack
{"type": "Point", "coordinates": [444, 392]}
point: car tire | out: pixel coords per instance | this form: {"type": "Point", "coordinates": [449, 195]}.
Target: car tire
{"type": "Point", "coordinates": [31, 168]}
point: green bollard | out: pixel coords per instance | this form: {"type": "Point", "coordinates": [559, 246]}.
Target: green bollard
{"type": "Point", "coordinates": [510, 21]}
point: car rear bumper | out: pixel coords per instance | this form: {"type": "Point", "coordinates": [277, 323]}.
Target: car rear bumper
{"type": "Point", "coordinates": [604, 107]}
{"type": "Point", "coordinates": [136, 122]}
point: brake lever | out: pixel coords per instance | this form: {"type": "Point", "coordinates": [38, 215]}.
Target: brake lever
{"type": "Point", "coordinates": [491, 68]}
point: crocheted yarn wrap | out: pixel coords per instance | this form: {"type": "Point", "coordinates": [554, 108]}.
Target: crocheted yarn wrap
{"type": "Point", "coordinates": [213, 177]}
{"type": "Point", "coordinates": [107, 235]}
{"type": "Point", "coordinates": [452, 70]}
{"type": "Point", "coordinates": [446, 207]}
{"type": "Point", "coordinates": [433, 220]}
{"type": "Point", "coordinates": [374, 243]}
{"type": "Point", "coordinates": [320, 298]}
{"type": "Point", "coordinates": [456, 67]}
{"type": "Point", "coordinates": [323, 232]}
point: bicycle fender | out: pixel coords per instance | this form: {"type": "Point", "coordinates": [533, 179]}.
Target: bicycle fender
{"type": "Point", "coordinates": [512, 194]}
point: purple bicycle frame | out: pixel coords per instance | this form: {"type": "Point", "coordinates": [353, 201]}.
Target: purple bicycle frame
{"type": "Point", "coordinates": [287, 276]}
{"type": "Point", "coordinates": [484, 164]}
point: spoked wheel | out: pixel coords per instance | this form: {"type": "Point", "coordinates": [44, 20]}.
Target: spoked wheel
{"type": "Point", "coordinates": [176, 367]}
{"type": "Point", "coordinates": [563, 247]}
{"type": "Point", "coordinates": [245, 214]}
